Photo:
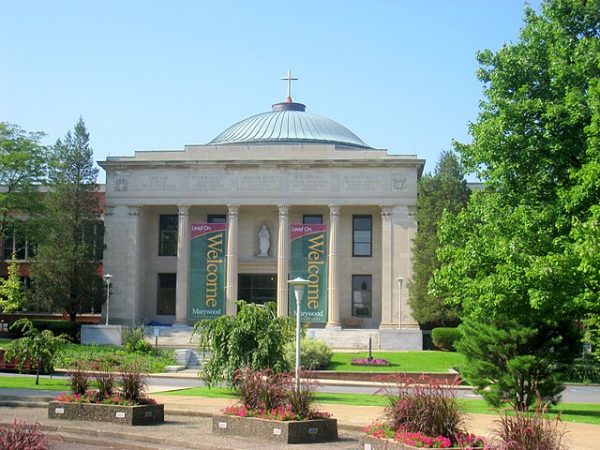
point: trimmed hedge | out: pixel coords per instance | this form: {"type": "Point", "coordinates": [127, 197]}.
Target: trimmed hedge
{"type": "Point", "coordinates": [71, 329]}
{"type": "Point", "coordinates": [444, 338]}
{"type": "Point", "coordinates": [314, 354]}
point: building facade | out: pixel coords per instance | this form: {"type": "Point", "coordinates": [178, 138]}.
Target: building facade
{"type": "Point", "coordinates": [260, 181]}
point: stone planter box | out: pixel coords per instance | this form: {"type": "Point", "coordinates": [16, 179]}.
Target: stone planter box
{"type": "Point", "coordinates": [283, 432]}
{"type": "Point", "coordinates": [368, 442]}
{"type": "Point", "coordinates": [95, 412]}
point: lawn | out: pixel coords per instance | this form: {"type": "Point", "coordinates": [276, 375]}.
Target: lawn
{"type": "Point", "coordinates": [113, 357]}
{"type": "Point", "coordinates": [569, 412]}
{"type": "Point", "coordinates": [428, 361]}
{"type": "Point", "coordinates": [46, 384]}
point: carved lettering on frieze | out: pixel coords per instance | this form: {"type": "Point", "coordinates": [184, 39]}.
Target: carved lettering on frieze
{"type": "Point", "coordinates": [362, 183]}
{"type": "Point", "coordinates": [308, 182]}
{"type": "Point", "coordinates": [158, 183]}
{"type": "Point", "coordinates": [258, 183]}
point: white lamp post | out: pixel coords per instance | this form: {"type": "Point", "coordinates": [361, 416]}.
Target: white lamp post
{"type": "Point", "coordinates": [298, 284]}
{"type": "Point", "coordinates": [400, 281]}
{"type": "Point", "coordinates": [107, 279]}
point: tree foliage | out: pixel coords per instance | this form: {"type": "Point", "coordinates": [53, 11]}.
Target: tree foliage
{"type": "Point", "coordinates": [444, 191]}
{"type": "Point", "coordinates": [22, 169]}
{"type": "Point", "coordinates": [254, 338]}
{"type": "Point", "coordinates": [66, 269]}
{"type": "Point", "coordinates": [521, 364]}
{"type": "Point", "coordinates": [526, 247]}
{"type": "Point", "coordinates": [37, 348]}
{"type": "Point", "coordinates": [11, 289]}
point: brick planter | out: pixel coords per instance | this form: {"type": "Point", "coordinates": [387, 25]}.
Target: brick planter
{"type": "Point", "coordinates": [283, 432]}
{"type": "Point", "coordinates": [368, 442]}
{"type": "Point", "coordinates": [97, 412]}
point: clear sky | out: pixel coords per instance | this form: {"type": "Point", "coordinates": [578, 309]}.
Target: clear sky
{"type": "Point", "coordinates": [153, 75]}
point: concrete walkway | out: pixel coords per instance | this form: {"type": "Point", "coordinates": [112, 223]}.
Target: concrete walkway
{"type": "Point", "coordinates": [188, 425]}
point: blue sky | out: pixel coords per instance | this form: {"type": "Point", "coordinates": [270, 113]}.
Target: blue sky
{"type": "Point", "coordinates": [152, 75]}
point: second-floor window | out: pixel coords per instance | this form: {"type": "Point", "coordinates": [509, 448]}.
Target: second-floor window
{"type": "Point", "coordinates": [167, 235]}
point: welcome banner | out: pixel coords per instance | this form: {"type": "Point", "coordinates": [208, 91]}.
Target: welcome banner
{"type": "Point", "coordinates": [309, 261]}
{"type": "Point", "coordinates": [207, 271]}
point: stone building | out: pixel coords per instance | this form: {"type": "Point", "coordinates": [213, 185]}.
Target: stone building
{"type": "Point", "coordinates": [259, 182]}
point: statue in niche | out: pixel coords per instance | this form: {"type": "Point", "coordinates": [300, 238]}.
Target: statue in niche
{"type": "Point", "coordinates": [264, 242]}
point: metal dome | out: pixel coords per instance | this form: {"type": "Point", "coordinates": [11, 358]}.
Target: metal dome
{"type": "Point", "coordinates": [288, 123]}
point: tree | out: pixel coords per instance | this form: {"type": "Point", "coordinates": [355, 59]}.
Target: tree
{"type": "Point", "coordinates": [518, 251]}
{"type": "Point", "coordinates": [66, 267]}
{"type": "Point", "coordinates": [22, 170]}
{"type": "Point", "coordinates": [36, 348]}
{"type": "Point", "coordinates": [11, 289]}
{"type": "Point", "coordinates": [445, 190]}
{"type": "Point", "coordinates": [254, 338]}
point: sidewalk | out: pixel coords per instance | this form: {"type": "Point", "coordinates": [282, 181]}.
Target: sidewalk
{"type": "Point", "coordinates": [189, 415]}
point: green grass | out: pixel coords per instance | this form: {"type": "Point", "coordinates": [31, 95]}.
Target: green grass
{"type": "Point", "coordinates": [429, 361]}
{"type": "Point", "coordinates": [46, 384]}
{"type": "Point", "coordinates": [569, 412]}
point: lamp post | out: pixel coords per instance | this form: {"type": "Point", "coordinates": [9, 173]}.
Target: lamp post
{"type": "Point", "coordinates": [400, 281]}
{"type": "Point", "coordinates": [298, 284]}
{"type": "Point", "coordinates": [107, 279]}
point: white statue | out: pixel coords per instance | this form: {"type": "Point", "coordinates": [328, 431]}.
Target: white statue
{"type": "Point", "coordinates": [264, 241]}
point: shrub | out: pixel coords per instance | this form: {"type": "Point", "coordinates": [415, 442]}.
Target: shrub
{"type": "Point", "coordinates": [445, 338]}
{"type": "Point", "coordinates": [254, 338]}
{"type": "Point", "coordinates": [133, 382]}
{"type": "Point", "coordinates": [584, 370]}
{"type": "Point", "coordinates": [264, 393]}
{"type": "Point", "coordinates": [22, 436]}
{"type": "Point", "coordinates": [314, 354]}
{"type": "Point", "coordinates": [430, 409]}
{"type": "Point", "coordinates": [37, 348]}
{"type": "Point", "coordinates": [79, 380]}
{"type": "Point", "coordinates": [507, 360]}
{"type": "Point", "coordinates": [529, 431]}
{"type": "Point", "coordinates": [133, 340]}
{"type": "Point", "coordinates": [106, 381]}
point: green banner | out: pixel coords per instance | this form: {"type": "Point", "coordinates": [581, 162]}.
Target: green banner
{"type": "Point", "coordinates": [309, 261]}
{"type": "Point", "coordinates": [207, 271]}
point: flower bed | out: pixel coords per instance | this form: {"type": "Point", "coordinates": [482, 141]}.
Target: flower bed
{"type": "Point", "coordinates": [369, 362]}
{"type": "Point", "coordinates": [99, 412]}
{"type": "Point", "coordinates": [281, 431]}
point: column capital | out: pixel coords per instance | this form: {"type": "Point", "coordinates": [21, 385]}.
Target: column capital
{"type": "Point", "coordinates": [233, 209]}
{"type": "Point", "coordinates": [283, 209]}
{"type": "Point", "coordinates": [386, 211]}
{"type": "Point", "coordinates": [109, 210]}
{"type": "Point", "coordinates": [134, 210]}
{"type": "Point", "coordinates": [334, 210]}
{"type": "Point", "coordinates": [184, 210]}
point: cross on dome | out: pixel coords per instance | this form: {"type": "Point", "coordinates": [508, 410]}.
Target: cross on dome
{"type": "Point", "coordinates": [289, 79]}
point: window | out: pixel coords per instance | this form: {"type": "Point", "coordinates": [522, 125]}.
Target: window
{"type": "Point", "coordinates": [361, 235]}
{"type": "Point", "coordinates": [217, 218]}
{"type": "Point", "coordinates": [309, 219]}
{"type": "Point", "coordinates": [361, 295]}
{"type": "Point", "coordinates": [257, 288]}
{"type": "Point", "coordinates": [167, 235]}
{"type": "Point", "coordinates": [16, 240]}
{"type": "Point", "coordinates": [165, 303]}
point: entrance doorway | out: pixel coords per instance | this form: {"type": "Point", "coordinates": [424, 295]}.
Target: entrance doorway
{"type": "Point", "coordinates": [257, 288]}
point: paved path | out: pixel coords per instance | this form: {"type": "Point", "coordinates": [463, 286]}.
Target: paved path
{"type": "Point", "coordinates": [188, 426]}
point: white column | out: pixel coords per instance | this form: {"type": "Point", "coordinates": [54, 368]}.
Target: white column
{"type": "Point", "coordinates": [231, 289]}
{"type": "Point", "coordinates": [333, 304]}
{"type": "Point", "coordinates": [283, 257]}
{"type": "Point", "coordinates": [387, 268]}
{"type": "Point", "coordinates": [183, 265]}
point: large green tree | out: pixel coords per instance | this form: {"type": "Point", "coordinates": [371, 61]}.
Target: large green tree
{"type": "Point", "coordinates": [520, 250]}
{"type": "Point", "coordinates": [444, 190]}
{"type": "Point", "coordinates": [65, 270]}
{"type": "Point", "coordinates": [22, 170]}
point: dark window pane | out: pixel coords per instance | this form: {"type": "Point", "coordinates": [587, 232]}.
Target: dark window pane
{"type": "Point", "coordinates": [165, 305]}
{"type": "Point", "coordinates": [309, 219]}
{"type": "Point", "coordinates": [216, 218]}
{"type": "Point", "coordinates": [361, 296]}
{"type": "Point", "coordinates": [168, 235]}
{"type": "Point", "coordinates": [362, 235]}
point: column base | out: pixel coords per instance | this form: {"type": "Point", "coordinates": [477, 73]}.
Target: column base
{"type": "Point", "coordinates": [388, 326]}
{"type": "Point", "coordinates": [333, 326]}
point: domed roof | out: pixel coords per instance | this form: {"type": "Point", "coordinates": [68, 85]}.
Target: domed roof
{"type": "Point", "coordinates": [288, 123]}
